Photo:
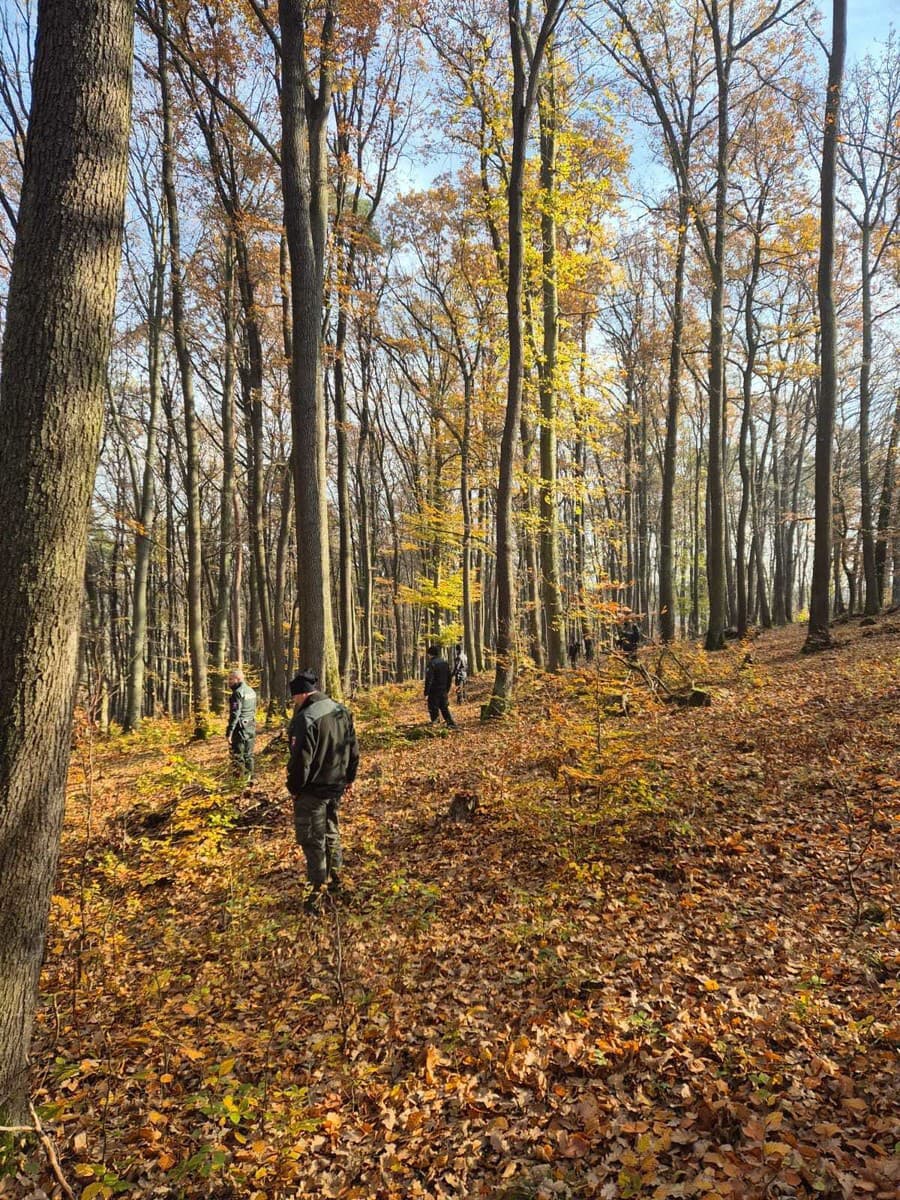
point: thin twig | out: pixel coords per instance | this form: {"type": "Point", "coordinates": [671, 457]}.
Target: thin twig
{"type": "Point", "coordinates": [38, 1130]}
{"type": "Point", "coordinates": [50, 1151]}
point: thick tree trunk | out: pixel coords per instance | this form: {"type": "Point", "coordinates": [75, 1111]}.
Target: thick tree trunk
{"type": "Point", "coordinates": [56, 346]}
{"type": "Point", "coordinates": [818, 634]}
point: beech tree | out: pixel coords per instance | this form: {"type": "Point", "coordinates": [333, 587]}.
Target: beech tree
{"type": "Point", "coordinates": [55, 351]}
{"type": "Point", "coordinates": [818, 634]}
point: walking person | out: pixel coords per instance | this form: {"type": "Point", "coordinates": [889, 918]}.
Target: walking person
{"type": "Point", "coordinates": [574, 651]}
{"type": "Point", "coordinates": [240, 731]}
{"type": "Point", "coordinates": [629, 639]}
{"type": "Point", "coordinates": [322, 767]}
{"type": "Point", "coordinates": [460, 673]}
{"type": "Point", "coordinates": [437, 687]}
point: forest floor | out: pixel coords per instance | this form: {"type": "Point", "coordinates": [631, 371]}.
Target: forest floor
{"type": "Point", "coordinates": [661, 959]}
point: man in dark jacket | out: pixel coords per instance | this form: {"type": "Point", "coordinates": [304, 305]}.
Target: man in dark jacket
{"type": "Point", "coordinates": [323, 764]}
{"type": "Point", "coordinates": [241, 728]}
{"type": "Point", "coordinates": [437, 686]}
{"type": "Point", "coordinates": [629, 639]}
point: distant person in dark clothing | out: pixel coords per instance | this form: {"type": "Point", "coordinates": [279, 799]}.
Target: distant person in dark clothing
{"type": "Point", "coordinates": [322, 767]}
{"type": "Point", "coordinates": [460, 673]}
{"type": "Point", "coordinates": [574, 651]}
{"type": "Point", "coordinates": [437, 687]}
{"type": "Point", "coordinates": [629, 639]}
{"type": "Point", "coordinates": [241, 728]}
{"type": "Point", "coordinates": [588, 649]}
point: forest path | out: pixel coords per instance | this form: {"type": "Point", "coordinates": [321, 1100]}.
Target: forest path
{"type": "Point", "coordinates": [660, 960]}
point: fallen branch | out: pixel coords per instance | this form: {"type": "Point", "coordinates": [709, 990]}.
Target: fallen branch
{"type": "Point", "coordinates": [49, 1149]}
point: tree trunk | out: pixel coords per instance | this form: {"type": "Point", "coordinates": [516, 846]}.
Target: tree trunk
{"type": "Point", "coordinates": [531, 553]}
{"type": "Point", "coordinates": [199, 688]}
{"type": "Point", "coordinates": [549, 537]}
{"type": "Point", "coordinates": [304, 116]}
{"type": "Point", "coordinates": [523, 100]}
{"type": "Point", "coordinates": [144, 538]}
{"type": "Point", "coordinates": [346, 607]}
{"type": "Point", "coordinates": [818, 634]}
{"type": "Point", "coordinates": [670, 454]}
{"type": "Point", "coordinates": [219, 626]}
{"type": "Point", "coordinates": [886, 505]}
{"type": "Point", "coordinates": [870, 569]}
{"type": "Point", "coordinates": [715, 476]}
{"type": "Point", "coordinates": [55, 352]}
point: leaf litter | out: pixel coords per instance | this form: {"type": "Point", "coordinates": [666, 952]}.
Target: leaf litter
{"type": "Point", "coordinates": [659, 960]}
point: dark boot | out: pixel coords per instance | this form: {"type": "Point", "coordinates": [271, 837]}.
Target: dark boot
{"type": "Point", "coordinates": [314, 901]}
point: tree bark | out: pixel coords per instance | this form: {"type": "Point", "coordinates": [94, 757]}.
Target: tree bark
{"type": "Point", "coordinates": [55, 353]}
{"type": "Point", "coordinates": [818, 634]}
{"type": "Point", "coordinates": [549, 538]}
{"type": "Point", "coordinates": [670, 454]}
{"type": "Point", "coordinates": [219, 625]}
{"type": "Point", "coordinates": [526, 63]}
{"type": "Point", "coordinates": [886, 505]}
{"type": "Point", "coordinates": [196, 644]}
{"type": "Point", "coordinates": [304, 115]}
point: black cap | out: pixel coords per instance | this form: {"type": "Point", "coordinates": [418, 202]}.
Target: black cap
{"type": "Point", "coordinates": [304, 682]}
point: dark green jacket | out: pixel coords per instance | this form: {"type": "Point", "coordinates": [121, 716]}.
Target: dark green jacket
{"type": "Point", "coordinates": [324, 750]}
{"type": "Point", "coordinates": [242, 711]}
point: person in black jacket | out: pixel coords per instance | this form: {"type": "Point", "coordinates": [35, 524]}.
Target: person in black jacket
{"type": "Point", "coordinates": [322, 767]}
{"type": "Point", "coordinates": [437, 686]}
{"type": "Point", "coordinates": [240, 732]}
{"type": "Point", "coordinates": [629, 639]}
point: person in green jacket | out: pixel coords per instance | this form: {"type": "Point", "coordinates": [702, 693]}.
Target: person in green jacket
{"type": "Point", "coordinates": [240, 731]}
{"type": "Point", "coordinates": [322, 767]}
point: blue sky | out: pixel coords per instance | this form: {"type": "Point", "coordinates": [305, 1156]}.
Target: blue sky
{"type": "Point", "coordinates": [868, 22]}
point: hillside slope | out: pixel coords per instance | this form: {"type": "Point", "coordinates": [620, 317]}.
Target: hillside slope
{"type": "Point", "coordinates": [660, 960]}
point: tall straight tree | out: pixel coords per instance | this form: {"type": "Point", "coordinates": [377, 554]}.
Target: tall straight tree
{"type": "Point", "coordinates": [143, 542]}
{"type": "Point", "coordinates": [196, 643]}
{"type": "Point", "coordinates": [548, 371]}
{"type": "Point", "coordinates": [55, 352]}
{"type": "Point", "coordinates": [527, 56]}
{"type": "Point", "coordinates": [304, 174]}
{"type": "Point", "coordinates": [818, 635]}
{"type": "Point", "coordinates": [868, 154]}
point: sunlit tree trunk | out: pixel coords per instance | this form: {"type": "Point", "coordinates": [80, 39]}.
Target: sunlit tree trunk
{"type": "Point", "coordinates": [526, 60]}
{"type": "Point", "coordinates": [549, 537]}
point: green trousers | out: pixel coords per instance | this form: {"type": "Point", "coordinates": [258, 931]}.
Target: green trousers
{"type": "Point", "coordinates": [242, 752]}
{"type": "Point", "coordinates": [316, 828]}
